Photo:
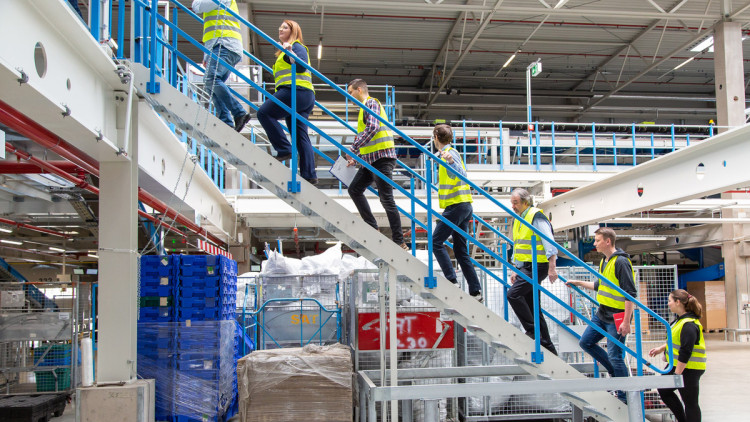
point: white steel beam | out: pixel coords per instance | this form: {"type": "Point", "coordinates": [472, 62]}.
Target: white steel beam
{"type": "Point", "coordinates": [167, 171]}
{"type": "Point", "coordinates": [688, 237]}
{"type": "Point", "coordinates": [71, 82]}
{"type": "Point", "coordinates": [712, 166]}
{"type": "Point", "coordinates": [677, 220]}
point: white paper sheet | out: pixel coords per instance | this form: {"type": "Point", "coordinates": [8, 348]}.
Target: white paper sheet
{"type": "Point", "coordinates": [340, 171]}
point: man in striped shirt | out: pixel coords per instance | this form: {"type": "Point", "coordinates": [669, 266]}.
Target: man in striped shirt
{"type": "Point", "coordinates": [374, 145]}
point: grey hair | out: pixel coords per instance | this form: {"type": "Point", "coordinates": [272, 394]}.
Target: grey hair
{"type": "Point", "coordinates": [524, 196]}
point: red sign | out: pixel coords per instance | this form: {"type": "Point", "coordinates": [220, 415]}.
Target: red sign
{"type": "Point", "coordinates": [416, 330]}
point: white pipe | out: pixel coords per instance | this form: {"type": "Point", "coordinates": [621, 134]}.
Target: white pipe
{"type": "Point", "coordinates": [87, 363]}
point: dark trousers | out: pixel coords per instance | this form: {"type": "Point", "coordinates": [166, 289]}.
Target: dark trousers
{"type": "Point", "coordinates": [362, 180]}
{"type": "Point", "coordinates": [269, 115]}
{"type": "Point", "coordinates": [460, 215]}
{"type": "Point", "coordinates": [521, 299]}
{"type": "Point", "coordinates": [690, 411]}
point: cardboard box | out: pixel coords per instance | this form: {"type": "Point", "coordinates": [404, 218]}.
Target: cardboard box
{"type": "Point", "coordinates": [710, 294]}
{"type": "Point", "coordinates": [311, 384]}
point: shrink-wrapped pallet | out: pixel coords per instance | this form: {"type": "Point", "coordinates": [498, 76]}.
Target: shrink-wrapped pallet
{"type": "Point", "coordinates": [310, 384]}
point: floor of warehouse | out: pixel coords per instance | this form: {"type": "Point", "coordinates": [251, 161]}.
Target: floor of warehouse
{"type": "Point", "coordinates": [723, 393]}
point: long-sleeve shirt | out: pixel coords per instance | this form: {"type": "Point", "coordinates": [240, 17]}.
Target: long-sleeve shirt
{"type": "Point", "coordinates": [232, 44]}
{"type": "Point", "coordinates": [456, 164]}
{"type": "Point", "coordinates": [544, 226]}
{"type": "Point", "coordinates": [372, 125]}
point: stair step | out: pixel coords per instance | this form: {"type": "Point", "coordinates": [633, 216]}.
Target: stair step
{"type": "Point", "coordinates": [475, 328]}
{"type": "Point", "coordinates": [575, 398]}
{"type": "Point", "coordinates": [500, 345]}
{"type": "Point", "coordinates": [543, 376]}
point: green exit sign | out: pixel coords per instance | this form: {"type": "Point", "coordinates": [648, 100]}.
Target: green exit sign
{"type": "Point", "coordinates": [536, 69]}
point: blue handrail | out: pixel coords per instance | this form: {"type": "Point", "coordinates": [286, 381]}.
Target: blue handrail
{"type": "Point", "coordinates": [429, 279]}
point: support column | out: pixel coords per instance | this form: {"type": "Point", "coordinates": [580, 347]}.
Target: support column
{"type": "Point", "coordinates": [729, 76]}
{"type": "Point", "coordinates": [118, 262]}
{"type": "Point", "coordinates": [736, 252]}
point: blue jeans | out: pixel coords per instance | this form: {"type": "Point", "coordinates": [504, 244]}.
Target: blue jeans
{"type": "Point", "coordinates": [613, 359]}
{"type": "Point", "coordinates": [269, 115]}
{"type": "Point", "coordinates": [227, 107]}
{"type": "Point", "coordinates": [460, 215]}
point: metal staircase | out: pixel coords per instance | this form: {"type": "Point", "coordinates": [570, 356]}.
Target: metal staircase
{"type": "Point", "coordinates": [35, 296]}
{"type": "Point", "coordinates": [172, 105]}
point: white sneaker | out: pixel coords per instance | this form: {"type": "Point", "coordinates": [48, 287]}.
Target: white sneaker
{"type": "Point", "coordinates": [478, 296]}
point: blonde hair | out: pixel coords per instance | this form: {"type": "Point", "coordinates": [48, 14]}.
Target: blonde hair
{"type": "Point", "coordinates": [296, 34]}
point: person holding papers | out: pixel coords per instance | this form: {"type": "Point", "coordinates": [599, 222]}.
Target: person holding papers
{"type": "Point", "coordinates": [374, 145]}
{"type": "Point", "coordinates": [618, 269]}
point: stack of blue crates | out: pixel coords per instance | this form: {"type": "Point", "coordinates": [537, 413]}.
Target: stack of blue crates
{"type": "Point", "coordinates": [156, 338]}
{"type": "Point", "coordinates": [191, 345]}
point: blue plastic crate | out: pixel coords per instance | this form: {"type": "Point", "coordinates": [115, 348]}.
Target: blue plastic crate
{"type": "Point", "coordinates": [197, 303]}
{"type": "Point", "coordinates": [53, 355]}
{"type": "Point", "coordinates": [158, 265]}
{"type": "Point", "coordinates": [187, 292]}
{"type": "Point", "coordinates": [156, 314]}
{"type": "Point", "coordinates": [207, 314]}
{"type": "Point", "coordinates": [156, 290]}
{"type": "Point", "coordinates": [200, 280]}
{"type": "Point", "coordinates": [169, 280]}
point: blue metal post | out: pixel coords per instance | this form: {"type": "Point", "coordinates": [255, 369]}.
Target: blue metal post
{"type": "Point", "coordinates": [464, 126]}
{"type": "Point", "coordinates": [203, 156]}
{"type": "Point", "coordinates": [430, 281]}
{"type": "Point", "coordinates": [95, 20]}
{"type": "Point", "coordinates": [500, 152]}
{"type": "Point", "coordinates": [536, 355]}
{"type": "Point", "coordinates": [614, 148]}
{"type": "Point", "coordinates": [138, 33]}
{"type": "Point", "coordinates": [578, 156]}
{"type": "Point", "coordinates": [412, 185]}
{"type": "Point", "coordinates": [632, 131]}
{"type": "Point", "coordinates": [593, 143]}
{"type": "Point", "coordinates": [505, 285]}
{"type": "Point", "coordinates": [652, 145]}
{"type": "Point", "coordinates": [294, 185]}
{"type": "Point", "coordinates": [221, 174]}
{"type": "Point", "coordinates": [687, 139]}
{"type": "Point", "coordinates": [252, 135]}
{"type": "Point", "coordinates": [554, 163]}
{"type": "Point", "coordinates": [672, 133]}
{"type": "Point", "coordinates": [152, 87]}
{"type": "Point", "coordinates": [173, 55]}
{"type": "Point", "coordinates": [121, 29]}
{"type": "Point", "coordinates": [538, 152]}
{"type": "Point", "coordinates": [711, 129]}
{"type": "Point", "coordinates": [639, 352]}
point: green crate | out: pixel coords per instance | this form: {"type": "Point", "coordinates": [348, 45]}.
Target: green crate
{"type": "Point", "coordinates": [154, 301]}
{"type": "Point", "coordinates": [49, 381]}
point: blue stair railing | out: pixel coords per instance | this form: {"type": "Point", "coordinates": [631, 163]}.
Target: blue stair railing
{"type": "Point", "coordinates": [428, 180]}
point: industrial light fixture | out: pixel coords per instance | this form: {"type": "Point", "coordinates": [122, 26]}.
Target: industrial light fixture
{"type": "Point", "coordinates": [4, 230]}
{"type": "Point", "coordinates": [52, 248]}
{"type": "Point", "coordinates": [706, 43]}
{"type": "Point", "coordinates": [684, 63]}
{"type": "Point", "coordinates": [320, 49]}
{"type": "Point", "coordinates": [93, 255]}
{"type": "Point", "coordinates": [11, 242]}
{"type": "Point", "coordinates": [647, 237]}
{"type": "Point", "coordinates": [510, 59]}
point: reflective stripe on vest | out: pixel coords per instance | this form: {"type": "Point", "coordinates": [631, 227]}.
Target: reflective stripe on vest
{"type": "Point", "coordinates": [451, 189]}
{"type": "Point", "coordinates": [383, 138]}
{"type": "Point", "coordinates": [697, 359]}
{"type": "Point", "coordinates": [282, 72]}
{"type": "Point", "coordinates": [522, 239]}
{"type": "Point", "coordinates": [607, 295]}
{"type": "Point", "coordinates": [219, 23]}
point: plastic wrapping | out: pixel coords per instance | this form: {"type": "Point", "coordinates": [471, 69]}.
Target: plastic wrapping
{"type": "Point", "coordinates": [313, 383]}
{"type": "Point", "coordinates": [194, 365]}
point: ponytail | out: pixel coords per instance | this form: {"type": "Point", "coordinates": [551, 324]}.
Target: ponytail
{"type": "Point", "coordinates": [689, 301]}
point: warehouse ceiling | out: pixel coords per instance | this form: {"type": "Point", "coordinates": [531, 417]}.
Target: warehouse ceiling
{"type": "Point", "coordinates": [603, 60]}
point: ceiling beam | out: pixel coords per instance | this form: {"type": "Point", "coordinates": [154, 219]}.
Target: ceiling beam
{"type": "Point", "coordinates": [428, 74]}
{"type": "Point", "coordinates": [524, 11]}
{"type": "Point", "coordinates": [465, 53]}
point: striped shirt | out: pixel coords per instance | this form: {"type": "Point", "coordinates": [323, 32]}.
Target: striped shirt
{"type": "Point", "coordinates": [372, 125]}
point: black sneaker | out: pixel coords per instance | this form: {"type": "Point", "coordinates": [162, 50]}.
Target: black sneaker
{"type": "Point", "coordinates": [478, 296]}
{"type": "Point", "coordinates": [312, 181]}
{"type": "Point", "coordinates": [241, 121]}
{"type": "Point", "coordinates": [283, 157]}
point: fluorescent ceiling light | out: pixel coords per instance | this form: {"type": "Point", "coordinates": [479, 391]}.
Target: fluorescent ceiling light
{"type": "Point", "coordinates": [684, 63]}
{"type": "Point", "coordinates": [11, 242]}
{"type": "Point", "coordinates": [331, 242]}
{"type": "Point", "coordinates": [320, 49]}
{"type": "Point", "coordinates": [4, 230]}
{"type": "Point", "coordinates": [708, 42]}
{"type": "Point", "coordinates": [93, 255]}
{"type": "Point", "coordinates": [645, 237]}
{"type": "Point", "coordinates": [510, 59]}
{"type": "Point", "coordinates": [70, 232]}
{"type": "Point", "coordinates": [52, 248]}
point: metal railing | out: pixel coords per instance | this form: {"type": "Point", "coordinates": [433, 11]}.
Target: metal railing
{"type": "Point", "coordinates": [147, 54]}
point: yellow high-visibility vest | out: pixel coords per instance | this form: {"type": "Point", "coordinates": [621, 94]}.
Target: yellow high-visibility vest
{"type": "Point", "coordinates": [383, 138]}
{"type": "Point", "coordinates": [697, 359]}
{"type": "Point", "coordinates": [522, 239]}
{"type": "Point", "coordinates": [606, 295]}
{"type": "Point", "coordinates": [282, 71]}
{"type": "Point", "coordinates": [452, 190]}
{"type": "Point", "coordinates": [219, 23]}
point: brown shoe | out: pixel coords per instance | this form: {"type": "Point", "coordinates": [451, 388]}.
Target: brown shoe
{"type": "Point", "coordinates": [405, 246]}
